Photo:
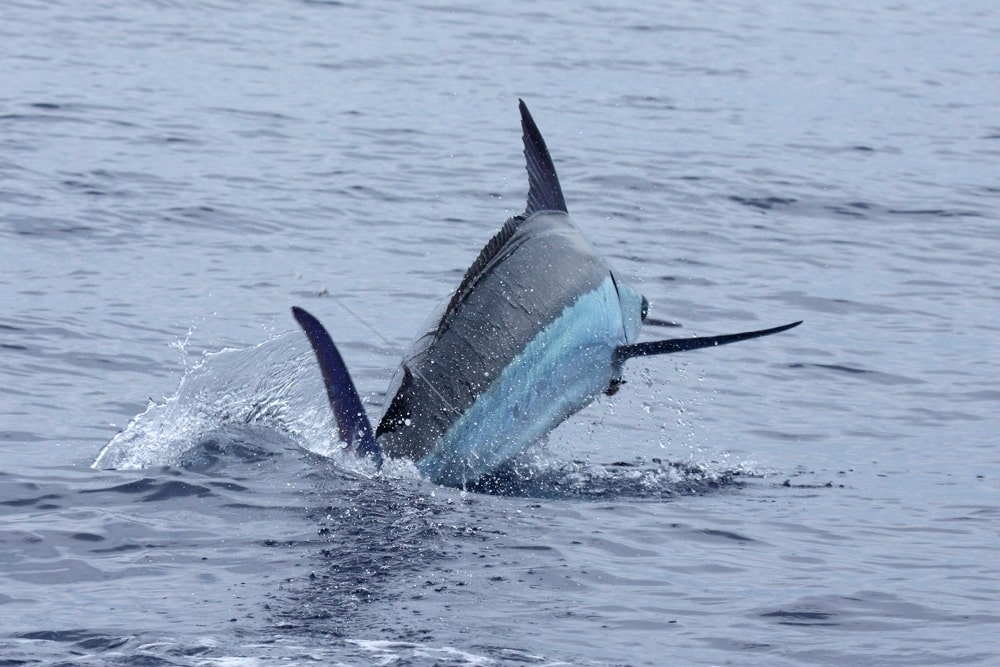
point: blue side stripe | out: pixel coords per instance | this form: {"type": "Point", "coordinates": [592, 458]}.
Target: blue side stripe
{"type": "Point", "coordinates": [559, 372]}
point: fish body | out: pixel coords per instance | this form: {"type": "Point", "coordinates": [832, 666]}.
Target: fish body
{"type": "Point", "coordinates": [539, 326]}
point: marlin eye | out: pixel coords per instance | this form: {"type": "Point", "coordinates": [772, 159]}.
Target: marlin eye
{"type": "Point", "coordinates": [645, 308]}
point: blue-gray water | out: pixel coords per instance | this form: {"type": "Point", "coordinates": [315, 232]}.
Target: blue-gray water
{"type": "Point", "coordinates": [175, 175]}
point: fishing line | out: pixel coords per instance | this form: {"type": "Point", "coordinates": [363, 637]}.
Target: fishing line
{"type": "Point", "coordinates": [393, 345]}
{"type": "Point", "coordinates": [364, 322]}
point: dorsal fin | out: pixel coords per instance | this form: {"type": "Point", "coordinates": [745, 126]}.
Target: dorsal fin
{"type": "Point", "coordinates": [486, 255]}
{"type": "Point", "coordinates": [544, 193]}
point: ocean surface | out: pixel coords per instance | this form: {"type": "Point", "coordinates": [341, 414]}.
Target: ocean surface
{"type": "Point", "coordinates": [175, 175]}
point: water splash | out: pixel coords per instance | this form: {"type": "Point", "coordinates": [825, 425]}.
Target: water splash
{"type": "Point", "coordinates": [272, 385]}
{"type": "Point", "coordinates": [541, 476]}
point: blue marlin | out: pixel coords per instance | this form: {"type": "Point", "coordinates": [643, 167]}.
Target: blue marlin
{"type": "Point", "coordinates": [538, 328]}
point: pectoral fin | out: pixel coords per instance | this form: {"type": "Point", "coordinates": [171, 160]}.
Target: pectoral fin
{"type": "Point", "coordinates": [352, 421]}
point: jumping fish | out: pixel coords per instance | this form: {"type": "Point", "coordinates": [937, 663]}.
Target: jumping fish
{"type": "Point", "coordinates": [539, 326]}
